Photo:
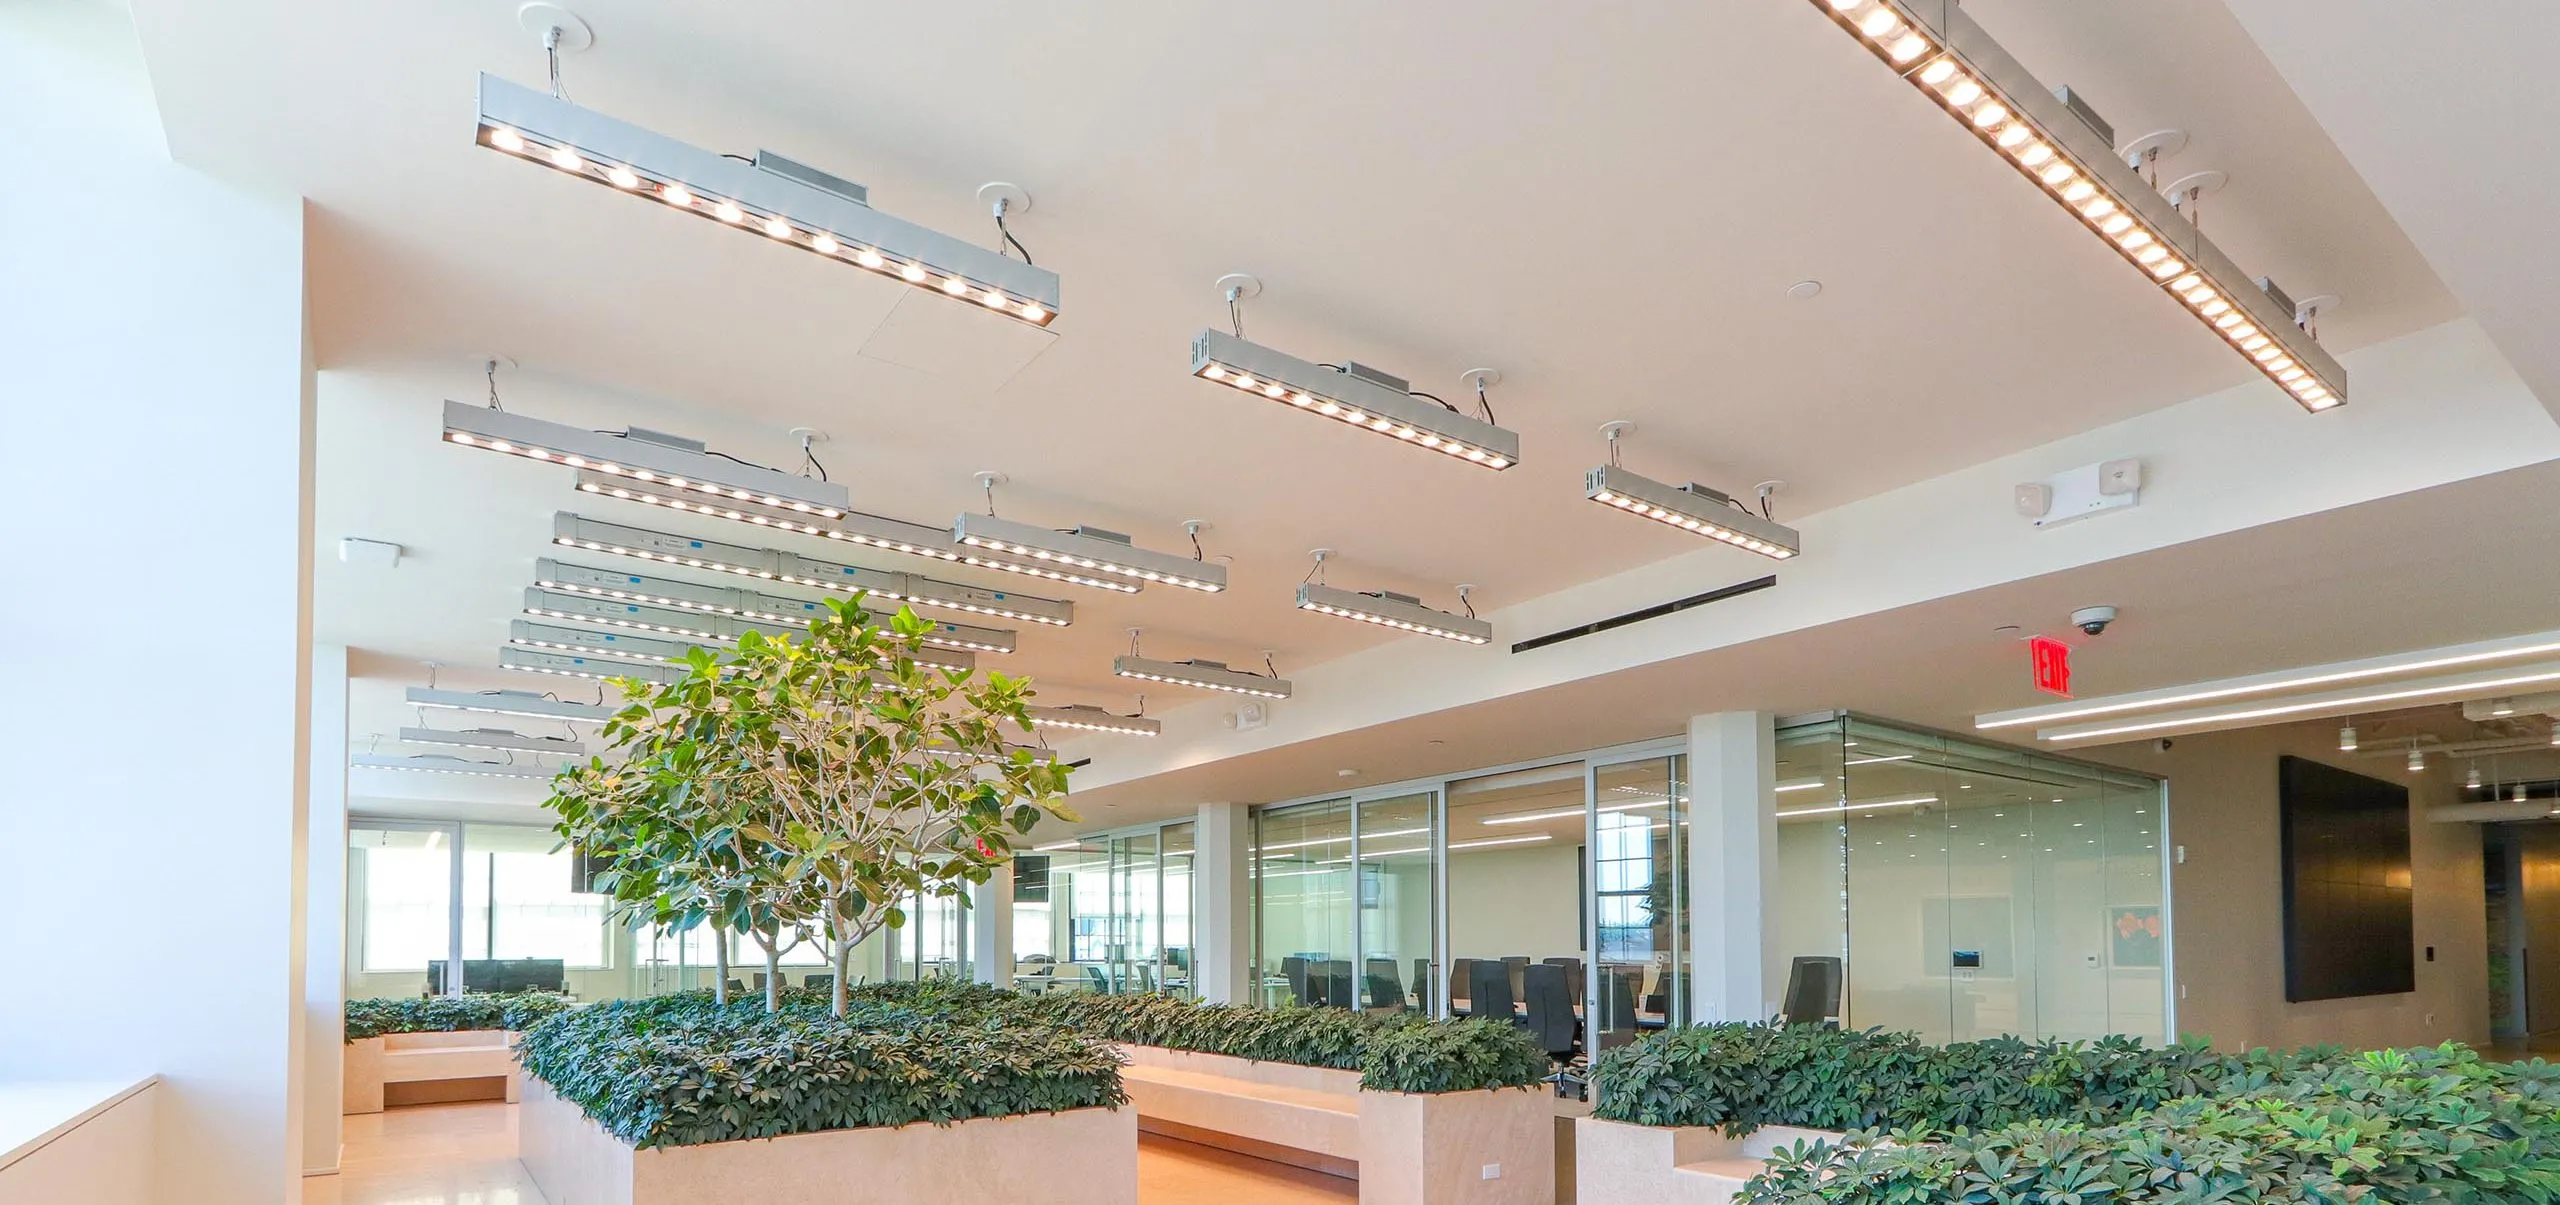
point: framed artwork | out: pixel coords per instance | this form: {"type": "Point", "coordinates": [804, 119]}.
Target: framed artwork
{"type": "Point", "coordinates": [2133, 936]}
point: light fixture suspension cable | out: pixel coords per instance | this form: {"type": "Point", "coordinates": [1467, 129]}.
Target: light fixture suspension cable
{"type": "Point", "coordinates": [491, 372]}
{"type": "Point", "coordinates": [1235, 309]}
{"type": "Point", "coordinates": [551, 48]}
{"type": "Point", "coordinates": [809, 456]}
{"type": "Point", "coordinates": [1004, 233]}
{"type": "Point", "coordinates": [1463, 601]}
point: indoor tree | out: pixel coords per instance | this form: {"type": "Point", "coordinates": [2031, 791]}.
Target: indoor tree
{"type": "Point", "coordinates": [810, 784]}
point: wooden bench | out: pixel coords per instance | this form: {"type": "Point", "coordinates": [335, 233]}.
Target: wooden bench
{"type": "Point", "coordinates": [458, 1059]}
{"type": "Point", "coordinates": [1306, 1116]}
{"type": "Point", "coordinates": [1674, 1165]}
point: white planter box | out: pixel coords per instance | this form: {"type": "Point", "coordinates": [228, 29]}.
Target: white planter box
{"type": "Point", "coordinates": [409, 1058]}
{"type": "Point", "coordinates": [1405, 1149]}
{"type": "Point", "coordinates": [1673, 1165]}
{"type": "Point", "coordinates": [1080, 1157]}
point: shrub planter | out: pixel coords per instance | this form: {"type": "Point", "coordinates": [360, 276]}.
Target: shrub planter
{"type": "Point", "coordinates": [410, 1058]}
{"type": "Point", "coordinates": [1078, 1157]}
{"type": "Point", "coordinates": [1405, 1148]}
{"type": "Point", "coordinates": [1673, 1165]}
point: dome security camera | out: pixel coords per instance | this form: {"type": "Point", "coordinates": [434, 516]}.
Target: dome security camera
{"type": "Point", "coordinates": [2093, 620]}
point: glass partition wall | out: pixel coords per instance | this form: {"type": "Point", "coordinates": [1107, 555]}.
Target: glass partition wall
{"type": "Point", "coordinates": [1970, 890]}
{"type": "Point", "coordinates": [1106, 913]}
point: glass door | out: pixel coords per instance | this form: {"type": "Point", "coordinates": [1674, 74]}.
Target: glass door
{"type": "Point", "coordinates": [1137, 913]}
{"type": "Point", "coordinates": [1173, 970]}
{"type": "Point", "coordinates": [1514, 878]}
{"type": "Point", "coordinates": [1303, 890]}
{"type": "Point", "coordinates": [1397, 898]}
{"type": "Point", "coordinates": [1637, 900]}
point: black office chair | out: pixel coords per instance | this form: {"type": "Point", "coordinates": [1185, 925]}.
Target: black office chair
{"type": "Point", "coordinates": [1461, 976]}
{"type": "Point", "coordinates": [1422, 984]}
{"type": "Point", "coordinates": [1618, 1003]}
{"type": "Point", "coordinates": [1489, 991]}
{"type": "Point", "coordinates": [736, 988]}
{"type": "Point", "coordinates": [1549, 1010]}
{"type": "Point", "coordinates": [1516, 963]}
{"type": "Point", "coordinates": [1294, 969]}
{"type": "Point", "coordinates": [1813, 992]}
{"type": "Point", "coordinates": [1337, 984]}
{"type": "Point", "coordinates": [819, 982]}
{"type": "Point", "coordinates": [1385, 990]}
{"type": "Point", "coordinates": [1573, 981]}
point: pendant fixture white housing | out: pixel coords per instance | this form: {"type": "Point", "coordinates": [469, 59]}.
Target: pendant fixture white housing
{"type": "Point", "coordinates": [1084, 717]}
{"type": "Point", "coordinates": [492, 738]}
{"type": "Point", "coordinates": [761, 613]}
{"type": "Point", "coordinates": [508, 702]}
{"type": "Point", "coordinates": [1402, 612]}
{"type": "Point", "coordinates": [1366, 398]}
{"type": "Point", "coordinates": [1691, 508]}
{"type": "Point", "coordinates": [1207, 675]}
{"type": "Point", "coordinates": [2347, 739]}
{"type": "Point", "coordinates": [610, 645]}
{"type": "Point", "coordinates": [770, 197]}
{"type": "Point", "coordinates": [439, 764]}
{"type": "Point", "coordinates": [1085, 556]}
{"type": "Point", "coordinates": [2056, 143]}
{"type": "Point", "coordinates": [670, 463]}
{"type": "Point", "coordinates": [766, 564]}
{"type": "Point", "coordinates": [850, 526]}
{"type": "Point", "coordinates": [572, 665]}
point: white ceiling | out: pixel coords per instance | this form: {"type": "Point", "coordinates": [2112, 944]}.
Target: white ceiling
{"type": "Point", "coordinates": [1607, 204]}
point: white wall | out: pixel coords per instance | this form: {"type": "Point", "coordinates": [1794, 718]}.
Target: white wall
{"type": "Point", "coordinates": [152, 328]}
{"type": "Point", "coordinates": [1505, 902]}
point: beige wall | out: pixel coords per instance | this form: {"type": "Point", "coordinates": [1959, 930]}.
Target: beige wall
{"type": "Point", "coordinates": [2536, 890]}
{"type": "Point", "coordinates": [2229, 902]}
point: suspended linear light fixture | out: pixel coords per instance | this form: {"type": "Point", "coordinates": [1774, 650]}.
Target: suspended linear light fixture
{"type": "Point", "coordinates": [492, 738]}
{"type": "Point", "coordinates": [1692, 508]}
{"type": "Point", "coordinates": [1083, 717]}
{"type": "Point", "coordinates": [437, 764]}
{"type": "Point", "coordinates": [593, 642]}
{"type": "Point", "coordinates": [668, 463]}
{"type": "Point", "coordinates": [1353, 393]}
{"type": "Point", "coordinates": [1084, 556]}
{"type": "Point", "coordinates": [1386, 609]}
{"type": "Point", "coordinates": [768, 195]}
{"type": "Point", "coordinates": [571, 665]}
{"type": "Point", "coordinates": [770, 614]}
{"type": "Point", "coordinates": [1206, 675]}
{"type": "Point", "coordinates": [852, 527]}
{"type": "Point", "coordinates": [766, 564]}
{"type": "Point", "coordinates": [508, 702]}
{"type": "Point", "coordinates": [2056, 142]}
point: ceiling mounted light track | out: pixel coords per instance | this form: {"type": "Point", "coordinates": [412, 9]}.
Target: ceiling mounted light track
{"type": "Point", "coordinates": [767, 564]}
{"type": "Point", "coordinates": [1403, 612]}
{"type": "Point", "coordinates": [440, 764]}
{"type": "Point", "coordinates": [1083, 556]}
{"type": "Point", "coordinates": [670, 463]}
{"type": "Point", "coordinates": [1084, 717]}
{"type": "Point", "coordinates": [1692, 508]}
{"type": "Point", "coordinates": [2059, 144]}
{"type": "Point", "coordinates": [762, 613]}
{"type": "Point", "coordinates": [508, 702]}
{"type": "Point", "coordinates": [1206, 675]}
{"type": "Point", "coordinates": [768, 196]}
{"type": "Point", "coordinates": [492, 738]}
{"type": "Point", "coordinates": [1353, 393]}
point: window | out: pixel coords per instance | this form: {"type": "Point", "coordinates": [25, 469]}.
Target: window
{"type": "Point", "coordinates": [518, 900]}
{"type": "Point", "coordinates": [402, 881]}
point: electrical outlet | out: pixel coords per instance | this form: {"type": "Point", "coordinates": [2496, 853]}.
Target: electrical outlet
{"type": "Point", "coordinates": [1493, 1171]}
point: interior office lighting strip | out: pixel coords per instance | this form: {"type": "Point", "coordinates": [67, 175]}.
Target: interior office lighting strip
{"type": "Point", "coordinates": [1693, 508]}
{"type": "Point", "coordinates": [449, 765]}
{"type": "Point", "coordinates": [2447, 657]}
{"type": "Point", "coordinates": [1402, 612]}
{"type": "Point", "coordinates": [1869, 806]}
{"type": "Point", "coordinates": [765, 564]}
{"type": "Point", "coordinates": [488, 738]}
{"type": "Point", "coordinates": [1367, 855]}
{"type": "Point", "coordinates": [1083, 717]}
{"type": "Point", "coordinates": [850, 526]}
{"type": "Point", "coordinates": [508, 702]}
{"type": "Point", "coordinates": [571, 665]}
{"type": "Point", "coordinates": [1371, 401]}
{"type": "Point", "coordinates": [769, 196]}
{"type": "Point", "coordinates": [1207, 675]}
{"type": "Point", "coordinates": [770, 614]}
{"type": "Point", "coordinates": [1037, 753]}
{"type": "Point", "coordinates": [1954, 63]}
{"type": "Point", "coordinates": [2339, 702]}
{"type": "Point", "coordinates": [1561, 813]}
{"type": "Point", "coordinates": [1086, 556]}
{"type": "Point", "coordinates": [759, 605]}
{"type": "Point", "coordinates": [591, 642]}
{"type": "Point", "coordinates": [674, 464]}
{"type": "Point", "coordinates": [1345, 838]}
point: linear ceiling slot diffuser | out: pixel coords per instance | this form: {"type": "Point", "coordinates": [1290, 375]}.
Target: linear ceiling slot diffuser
{"type": "Point", "coordinates": [2055, 142]}
{"type": "Point", "coordinates": [668, 462]}
{"type": "Point", "coordinates": [766, 564]}
{"type": "Point", "coordinates": [508, 702]}
{"type": "Point", "coordinates": [768, 196]}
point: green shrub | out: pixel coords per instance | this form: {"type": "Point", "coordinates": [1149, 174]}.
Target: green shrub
{"type": "Point", "coordinates": [680, 1070]}
{"type": "Point", "coordinates": [1393, 1052]}
{"type": "Point", "coordinates": [445, 1014]}
{"type": "Point", "coordinates": [1742, 1077]}
{"type": "Point", "coordinates": [2390, 1125]}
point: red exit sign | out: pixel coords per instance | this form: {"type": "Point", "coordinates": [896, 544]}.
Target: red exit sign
{"type": "Point", "coordinates": [2051, 660]}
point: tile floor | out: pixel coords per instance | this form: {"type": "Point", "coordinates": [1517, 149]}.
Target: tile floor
{"type": "Point", "coordinates": [466, 1155]}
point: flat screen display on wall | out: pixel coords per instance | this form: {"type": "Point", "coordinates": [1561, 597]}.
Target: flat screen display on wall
{"type": "Point", "coordinates": [2348, 923]}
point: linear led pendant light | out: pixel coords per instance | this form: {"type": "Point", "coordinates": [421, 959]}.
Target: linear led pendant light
{"type": "Point", "coordinates": [2061, 146]}
{"type": "Point", "coordinates": [1402, 612]}
{"type": "Point", "coordinates": [1691, 508]}
{"type": "Point", "coordinates": [440, 764]}
{"type": "Point", "coordinates": [1354, 393]}
{"type": "Point", "coordinates": [492, 738]}
{"type": "Point", "coordinates": [572, 665]}
{"type": "Point", "coordinates": [1084, 717]}
{"type": "Point", "coordinates": [672, 463]}
{"type": "Point", "coordinates": [1206, 675]}
{"type": "Point", "coordinates": [766, 564]}
{"type": "Point", "coordinates": [769, 196]}
{"type": "Point", "coordinates": [592, 642]}
{"type": "Point", "coordinates": [1085, 556]}
{"type": "Point", "coordinates": [852, 527]}
{"type": "Point", "coordinates": [760, 606]}
{"type": "Point", "coordinates": [508, 702]}
{"type": "Point", "coordinates": [762, 613]}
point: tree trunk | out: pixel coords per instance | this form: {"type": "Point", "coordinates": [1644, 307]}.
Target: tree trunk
{"type": "Point", "coordinates": [844, 960]}
{"type": "Point", "coordinates": [771, 939]}
{"type": "Point", "coordinates": [720, 965]}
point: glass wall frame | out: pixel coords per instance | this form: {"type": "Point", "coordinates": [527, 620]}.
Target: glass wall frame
{"type": "Point", "coordinates": [1119, 909]}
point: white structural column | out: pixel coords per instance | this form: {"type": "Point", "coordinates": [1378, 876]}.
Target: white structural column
{"type": "Point", "coordinates": [1733, 866]}
{"type": "Point", "coordinates": [991, 928]}
{"type": "Point", "coordinates": [324, 979]}
{"type": "Point", "coordinates": [1222, 887]}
